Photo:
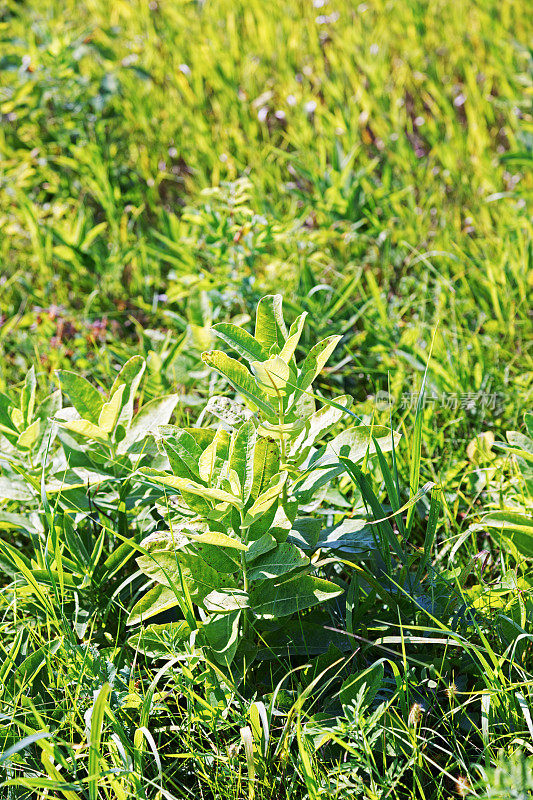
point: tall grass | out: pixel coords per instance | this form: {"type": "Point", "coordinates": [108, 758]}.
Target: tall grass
{"type": "Point", "coordinates": [163, 165]}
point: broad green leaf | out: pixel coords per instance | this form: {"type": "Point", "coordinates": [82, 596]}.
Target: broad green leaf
{"type": "Point", "coordinates": [214, 538]}
{"type": "Point", "coordinates": [270, 600]}
{"type": "Point", "coordinates": [48, 409]}
{"type": "Point", "coordinates": [295, 333]}
{"type": "Point", "coordinates": [229, 411]}
{"type": "Point", "coordinates": [199, 309]}
{"type": "Point", "coordinates": [305, 532]}
{"type": "Point", "coordinates": [351, 535]}
{"type": "Point", "coordinates": [49, 406]}
{"type": "Point", "coordinates": [266, 499]}
{"type": "Point", "coordinates": [183, 452]}
{"type": "Point", "coordinates": [9, 520]}
{"type": "Point", "coordinates": [207, 463]}
{"type": "Point", "coordinates": [28, 437]}
{"type": "Point", "coordinates": [513, 450]}
{"type": "Point", "coordinates": [17, 418]}
{"type": "Point", "coordinates": [6, 406]}
{"type": "Point", "coordinates": [84, 397]}
{"type": "Point", "coordinates": [479, 450]}
{"type": "Point", "coordinates": [284, 559]}
{"type": "Point", "coordinates": [12, 489]}
{"type": "Point", "coordinates": [213, 458]}
{"type": "Point", "coordinates": [270, 328]}
{"type": "Point", "coordinates": [109, 414]}
{"type": "Point", "coordinates": [242, 457]}
{"type": "Point", "coordinates": [302, 638]}
{"type": "Point", "coordinates": [162, 566]}
{"type": "Point", "coordinates": [201, 336]}
{"type": "Point", "coordinates": [266, 464]}
{"type": "Point", "coordinates": [74, 479]}
{"type": "Point", "coordinates": [272, 375]}
{"type": "Point", "coordinates": [153, 414]}
{"type": "Point", "coordinates": [304, 407]}
{"type": "Point", "coordinates": [130, 375]}
{"type": "Point", "coordinates": [226, 560]}
{"type": "Point", "coordinates": [509, 522]}
{"type": "Point", "coordinates": [27, 398]}
{"type": "Point", "coordinates": [221, 632]}
{"type": "Point", "coordinates": [226, 600]}
{"type": "Point", "coordinates": [260, 546]}
{"type": "Point", "coordinates": [178, 466]}
{"type": "Point", "coordinates": [284, 517]}
{"type": "Point", "coordinates": [160, 641]}
{"type": "Point", "coordinates": [315, 361]}
{"type": "Point", "coordinates": [517, 527]}
{"type": "Point", "coordinates": [196, 503]}
{"type": "Point", "coordinates": [262, 524]}
{"type": "Point", "coordinates": [200, 532]}
{"type": "Point", "coordinates": [241, 341]}
{"type": "Point", "coordinates": [183, 484]}
{"type": "Point", "coordinates": [317, 426]}
{"type": "Point", "coordinates": [234, 483]}
{"type": "Point", "coordinates": [241, 380]}
{"type": "Point", "coordinates": [202, 436]}
{"type": "Point", "coordinates": [84, 428]}
{"type": "Point", "coordinates": [279, 431]}
{"type": "Point", "coordinates": [159, 598]}
{"type": "Point", "coordinates": [169, 569]}
{"type": "Point", "coordinates": [371, 679]}
{"type": "Point", "coordinates": [167, 563]}
{"type": "Point", "coordinates": [520, 441]}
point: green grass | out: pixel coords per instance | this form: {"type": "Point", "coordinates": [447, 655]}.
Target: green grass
{"type": "Point", "coordinates": [164, 165]}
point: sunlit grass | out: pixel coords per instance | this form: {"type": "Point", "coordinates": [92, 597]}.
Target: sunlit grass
{"type": "Point", "coordinates": [162, 165]}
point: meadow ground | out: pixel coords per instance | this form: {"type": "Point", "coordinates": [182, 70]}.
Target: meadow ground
{"type": "Point", "coordinates": [164, 166]}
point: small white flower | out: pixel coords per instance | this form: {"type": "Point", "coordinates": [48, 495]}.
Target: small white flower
{"type": "Point", "coordinates": [415, 715]}
{"type": "Point", "coordinates": [130, 59]}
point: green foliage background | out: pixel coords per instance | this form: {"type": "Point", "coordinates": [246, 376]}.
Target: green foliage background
{"type": "Point", "coordinates": [389, 141]}
{"type": "Point", "coordinates": [165, 164]}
